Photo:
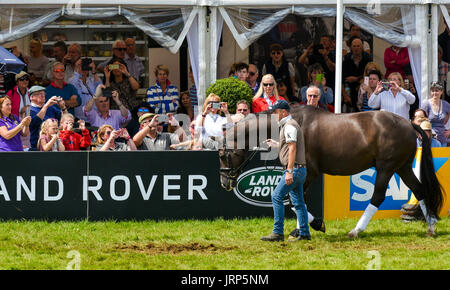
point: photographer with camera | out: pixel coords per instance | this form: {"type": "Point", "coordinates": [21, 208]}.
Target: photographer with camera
{"type": "Point", "coordinates": [86, 81]}
{"type": "Point", "coordinates": [107, 136]}
{"type": "Point", "coordinates": [390, 96]}
{"type": "Point", "coordinates": [104, 115]}
{"type": "Point", "coordinates": [73, 141]}
{"type": "Point", "coordinates": [150, 136]}
{"type": "Point", "coordinates": [118, 78]}
{"type": "Point", "coordinates": [317, 78]}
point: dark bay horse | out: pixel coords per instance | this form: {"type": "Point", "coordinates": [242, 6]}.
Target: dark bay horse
{"type": "Point", "coordinates": [345, 144]}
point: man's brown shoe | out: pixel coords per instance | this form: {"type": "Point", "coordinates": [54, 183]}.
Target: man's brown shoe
{"type": "Point", "coordinates": [273, 238]}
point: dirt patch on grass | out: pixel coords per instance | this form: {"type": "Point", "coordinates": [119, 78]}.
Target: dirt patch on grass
{"type": "Point", "coordinates": [175, 249]}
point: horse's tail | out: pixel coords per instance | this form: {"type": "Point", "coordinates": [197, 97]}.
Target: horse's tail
{"type": "Point", "coordinates": [433, 191]}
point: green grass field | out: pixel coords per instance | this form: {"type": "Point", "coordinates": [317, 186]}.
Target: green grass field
{"type": "Point", "coordinates": [219, 244]}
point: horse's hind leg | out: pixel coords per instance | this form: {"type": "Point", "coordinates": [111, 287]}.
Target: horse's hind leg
{"type": "Point", "coordinates": [378, 197]}
{"type": "Point", "coordinates": [409, 178]}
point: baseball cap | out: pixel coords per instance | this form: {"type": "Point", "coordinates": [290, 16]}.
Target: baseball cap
{"type": "Point", "coordinates": [145, 116]}
{"type": "Point", "coordinates": [34, 89]}
{"type": "Point", "coordinates": [280, 104]}
{"type": "Point", "coordinates": [21, 74]}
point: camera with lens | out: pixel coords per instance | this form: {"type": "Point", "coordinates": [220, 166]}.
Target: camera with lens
{"type": "Point", "coordinates": [107, 93]}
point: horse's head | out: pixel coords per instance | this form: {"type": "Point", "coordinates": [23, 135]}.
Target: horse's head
{"type": "Point", "coordinates": [231, 161]}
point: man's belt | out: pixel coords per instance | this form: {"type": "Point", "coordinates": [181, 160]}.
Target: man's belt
{"type": "Point", "coordinates": [296, 165]}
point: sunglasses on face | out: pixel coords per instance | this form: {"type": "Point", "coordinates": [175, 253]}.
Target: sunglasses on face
{"type": "Point", "coordinates": [268, 85]}
{"type": "Point", "coordinates": [276, 52]}
{"type": "Point", "coordinates": [143, 110]}
{"type": "Point", "coordinates": [59, 70]}
{"type": "Point", "coordinates": [108, 132]}
{"type": "Point", "coordinates": [242, 110]}
{"type": "Point", "coordinates": [121, 48]}
{"type": "Point", "coordinates": [251, 73]}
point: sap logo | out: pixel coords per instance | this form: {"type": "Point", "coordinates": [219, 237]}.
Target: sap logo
{"type": "Point", "coordinates": [362, 186]}
{"type": "Point", "coordinates": [256, 186]}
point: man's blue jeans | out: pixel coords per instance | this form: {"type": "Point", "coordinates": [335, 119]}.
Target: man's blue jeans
{"type": "Point", "coordinates": [295, 190]}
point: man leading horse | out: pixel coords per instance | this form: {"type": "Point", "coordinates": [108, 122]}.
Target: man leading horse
{"type": "Point", "coordinates": [346, 144]}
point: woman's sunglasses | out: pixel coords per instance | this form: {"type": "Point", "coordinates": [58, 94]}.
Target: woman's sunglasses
{"type": "Point", "coordinates": [143, 110]}
{"type": "Point", "coordinates": [268, 85]}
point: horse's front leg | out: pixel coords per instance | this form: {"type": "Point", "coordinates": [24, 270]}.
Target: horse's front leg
{"type": "Point", "coordinates": [378, 197]}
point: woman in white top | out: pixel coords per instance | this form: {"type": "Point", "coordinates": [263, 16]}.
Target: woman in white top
{"type": "Point", "coordinates": [210, 122]}
{"type": "Point", "coordinates": [395, 99]}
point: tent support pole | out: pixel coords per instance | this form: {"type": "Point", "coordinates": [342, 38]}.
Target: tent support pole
{"type": "Point", "coordinates": [338, 69]}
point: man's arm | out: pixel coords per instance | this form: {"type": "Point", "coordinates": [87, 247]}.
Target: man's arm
{"type": "Point", "coordinates": [291, 161]}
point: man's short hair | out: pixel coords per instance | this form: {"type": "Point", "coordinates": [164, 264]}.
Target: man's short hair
{"type": "Point", "coordinates": [243, 102]}
{"type": "Point", "coordinates": [276, 47]}
{"type": "Point", "coordinates": [240, 65]}
{"type": "Point", "coordinates": [375, 72]}
{"type": "Point", "coordinates": [61, 44]}
{"type": "Point", "coordinates": [350, 41]}
{"type": "Point", "coordinates": [314, 87]}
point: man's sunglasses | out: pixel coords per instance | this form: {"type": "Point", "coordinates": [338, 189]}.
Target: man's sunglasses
{"type": "Point", "coordinates": [24, 78]}
{"type": "Point", "coordinates": [143, 110]}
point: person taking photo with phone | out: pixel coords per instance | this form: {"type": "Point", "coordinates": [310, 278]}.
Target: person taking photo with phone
{"type": "Point", "coordinates": [317, 78]}
{"type": "Point", "coordinates": [390, 96]}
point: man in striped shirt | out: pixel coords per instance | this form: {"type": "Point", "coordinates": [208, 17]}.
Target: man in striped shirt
{"type": "Point", "coordinates": [163, 96]}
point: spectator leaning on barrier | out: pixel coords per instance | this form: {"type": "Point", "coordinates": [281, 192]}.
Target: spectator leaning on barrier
{"type": "Point", "coordinates": [10, 127]}
{"type": "Point", "coordinates": [392, 97]}
{"type": "Point", "coordinates": [73, 141]}
{"type": "Point", "coordinates": [106, 138]}
{"type": "Point", "coordinates": [427, 128]}
{"type": "Point", "coordinates": [163, 96]}
{"type": "Point", "coordinates": [104, 115]}
{"type": "Point", "coordinates": [58, 87]}
{"type": "Point", "coordinates": [49, 136]}
{"type": "Point", "coordinates": [150, 136]}
{"type": "Point", "coordinates": [40, 110]}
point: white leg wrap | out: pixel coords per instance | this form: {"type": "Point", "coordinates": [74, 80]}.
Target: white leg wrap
{"type": "Point", "coordinates": [430, 220]}
{"type": "Point", "coordinates": [366, 217]}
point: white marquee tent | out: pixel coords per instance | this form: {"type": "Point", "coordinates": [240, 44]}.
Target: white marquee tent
{"type": "Point", "coordinates": [407, 23]}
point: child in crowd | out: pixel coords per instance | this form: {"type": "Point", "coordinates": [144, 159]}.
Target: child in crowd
{"type": "Point", "coordinates": [73, 141]}
{"type": "Point", "coordinates": [49, 136]}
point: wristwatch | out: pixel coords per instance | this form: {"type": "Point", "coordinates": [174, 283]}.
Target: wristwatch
{"type": "Point", "coordinates": [290, 170]}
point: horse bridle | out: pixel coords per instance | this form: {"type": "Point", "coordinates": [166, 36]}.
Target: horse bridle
{"type": "Point", "coordinates": [233, 173]}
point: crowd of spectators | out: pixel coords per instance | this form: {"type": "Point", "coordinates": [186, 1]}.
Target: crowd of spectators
{"type": "Point", "coordinates": [64, 105]}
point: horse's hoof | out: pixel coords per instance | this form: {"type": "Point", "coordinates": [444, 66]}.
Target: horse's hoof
{"type": "Point", "coordinates": [353, 234]}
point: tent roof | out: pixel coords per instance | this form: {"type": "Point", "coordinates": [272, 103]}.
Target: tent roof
{"type": "Point", "coordinates": [257, 3]}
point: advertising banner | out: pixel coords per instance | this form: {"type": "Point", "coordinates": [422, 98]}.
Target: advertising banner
{"type": "Point", "coordinates": [136, 185]}
{"type": "Point", "coordinates": [348, 196]}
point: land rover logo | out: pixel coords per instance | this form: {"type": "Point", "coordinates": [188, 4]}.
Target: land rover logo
{"type": "Point", "coordinates": [255, 186]}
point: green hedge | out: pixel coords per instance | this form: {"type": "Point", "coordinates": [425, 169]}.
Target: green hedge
{"type": "Point", "coordinates": [231, 90]}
